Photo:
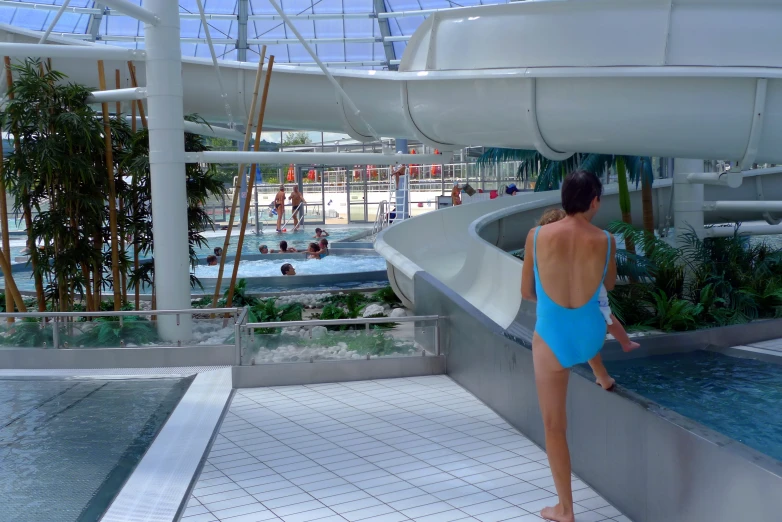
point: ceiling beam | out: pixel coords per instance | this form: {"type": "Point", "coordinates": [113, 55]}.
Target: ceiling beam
{"type": "Point", "coordinates": [385, 32]}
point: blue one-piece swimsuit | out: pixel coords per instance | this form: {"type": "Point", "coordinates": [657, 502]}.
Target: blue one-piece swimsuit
{"type": "Point", "coordinates": [575, 335]}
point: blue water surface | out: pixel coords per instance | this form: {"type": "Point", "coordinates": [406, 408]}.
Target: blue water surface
{"type": "Point", "coordinates": [740, 398]}
{"type": "Point", "coordinates": [68, 445]}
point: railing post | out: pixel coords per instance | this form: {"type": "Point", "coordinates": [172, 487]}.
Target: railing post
{"type": "Point", "coordinates": [55, 333]}
{"type": "Point", "coordinates": [437, 335]}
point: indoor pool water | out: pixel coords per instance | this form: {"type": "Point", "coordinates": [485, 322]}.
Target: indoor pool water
{"type": "Point", "coordinates": [262, 268]}
{"type": "Point", "coordinates": [68, 445]}
{"type": "Point", "coordinates": [298, 240]}
{"type": "Point", "coordinates": [271, 267]}
{"type": "Point", "coordinates": [737, 397]}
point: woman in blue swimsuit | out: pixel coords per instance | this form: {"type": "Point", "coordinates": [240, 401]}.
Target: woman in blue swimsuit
{"type": "Point", "coordinates": [570, 260]}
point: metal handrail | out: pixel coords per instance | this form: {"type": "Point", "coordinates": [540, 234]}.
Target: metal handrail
{"type": "Point", "coordinates": [381, 218]}
{"type": "Point", "coordinates": [341, 322]}
{"type": "Point", "coordinates": [301, 218]}
{"type": "Point", "coordinates": [121, 313]}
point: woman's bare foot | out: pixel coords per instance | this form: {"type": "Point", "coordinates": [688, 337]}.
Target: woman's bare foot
{"type": "Point", "coordinates": [557, 514]}
{"type": "Point", "coordinates": [607, 382]}
{"type": "Point", "coordinates": [630, 346]}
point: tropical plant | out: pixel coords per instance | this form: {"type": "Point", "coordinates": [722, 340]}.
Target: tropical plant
{"type": "Point", "coordinates": [387, 296]}
{"type": "Point", "coordinates": [110, 331]}
{"type": "Point", "coordinates": [58, 170]}
{"type": "Point", "coordinates": [548, 174]}
{"type": "Point", "coordinates": [703, 283]}
{"type": "Point", "coordinates": [267, 311]}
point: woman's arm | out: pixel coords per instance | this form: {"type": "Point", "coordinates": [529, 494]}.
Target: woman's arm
{"type": "Point", "coordinates": [528, 270]}
{"type": "Point", "coordinates": [610, 280]}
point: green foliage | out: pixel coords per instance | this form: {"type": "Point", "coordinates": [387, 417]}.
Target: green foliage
{"type": "Point", "coordinates": [548, 174]}
{"type": "Point", "coordinates": [386, 296]}
{"type": "Point", "coordinates": [296, 138]}
{"type": "Point", "coordinates": [241, 298]}
{"type": "Point", "coordinates": [108, 331]}
{"type": "Point", "coordinates": [267, 311]}
{"type": "Point", "coordinates": [29, 333]}
{"type": "Point", "coordinates": [704, 283]}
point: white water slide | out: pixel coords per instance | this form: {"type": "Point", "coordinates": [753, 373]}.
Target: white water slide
{"type": "Point", "coordinates": [672, 78]}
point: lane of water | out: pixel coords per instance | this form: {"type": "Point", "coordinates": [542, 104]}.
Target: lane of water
{"type": "Point", "coordinates": [737, 397]}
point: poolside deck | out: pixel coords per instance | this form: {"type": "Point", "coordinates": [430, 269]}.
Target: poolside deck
{"type": "Point", "coordinates": [392, 450]}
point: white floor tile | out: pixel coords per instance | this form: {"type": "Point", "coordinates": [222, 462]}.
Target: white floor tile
{"type": "Point", "coordinates": [377, 451]}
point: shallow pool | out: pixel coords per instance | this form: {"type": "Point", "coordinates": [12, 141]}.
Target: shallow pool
{"type": "Point", "coordinates": [737, 397]}
{"type": "Point", "coordinates": [298, 240]}
{"type": "Point", "coordinates": [271, 267]}
{"type": "Point", "coordinates": [68, 445]}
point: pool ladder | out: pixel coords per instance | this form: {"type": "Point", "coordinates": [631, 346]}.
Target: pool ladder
{"type": "Point", "coordinates": [302, 206]}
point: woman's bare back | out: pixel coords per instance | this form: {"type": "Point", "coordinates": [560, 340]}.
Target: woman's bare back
{"type": "Point", "coordinates": [571, 256]}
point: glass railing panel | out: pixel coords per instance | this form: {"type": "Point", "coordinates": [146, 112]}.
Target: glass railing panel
{"type": "Point", "coordinates": [320, 343]}
{"type": "Point", "coordinates": [28, 333]}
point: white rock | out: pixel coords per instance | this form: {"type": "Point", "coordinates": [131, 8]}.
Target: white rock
{"type": "Point", "coordinates": [398, 312]}
{"type": "Point", "coordinates": [318, 332]}
{"type": "Point", "coordinates": [373, 309]}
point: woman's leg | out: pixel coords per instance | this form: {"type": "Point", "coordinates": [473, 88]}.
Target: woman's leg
{"type": "Point", "coordinates": [601, 374]}
{"type": "Point", "coordinates": [551, 380]}
{"type": "Point", "coordinates": [279, 217]}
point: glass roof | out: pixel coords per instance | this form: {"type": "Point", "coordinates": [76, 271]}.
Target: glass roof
{"type": "Point", "coordinates": [351, 37]}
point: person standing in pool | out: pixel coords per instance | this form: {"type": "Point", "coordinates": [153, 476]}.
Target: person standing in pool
{"type": "Point", "coordinates": [319, 233]}
{"type": "Point", "coordinates": [297, 199]}
{"type": "Point", "coordinates": [324, 247]}
{"type": "Point", "coordinates": [566, 264]}
{"type": "Point", "coordinates": [283, 249]}
{"type": "Point", "coordinates": [279, 206]}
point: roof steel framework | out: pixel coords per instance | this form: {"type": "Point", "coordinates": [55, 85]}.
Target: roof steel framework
{"type": "Point", "coordinates": [345, 33]}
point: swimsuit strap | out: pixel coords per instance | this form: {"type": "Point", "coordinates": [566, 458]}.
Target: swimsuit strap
{"type": "Point", "coordinates": [535, 249]}
{"type": "Point", "coordinates": [608, 255]}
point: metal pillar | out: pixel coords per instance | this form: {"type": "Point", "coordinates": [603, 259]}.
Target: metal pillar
{"type": "Point", "coordinates": [241, 41]}
{"type": "Point", "coordinates": [385, 32]}
{"type": "Point", "coordinates": [687, 200]}
{"type": "Point", "coordinates": [167, 169]}
{"type": "Point", "coordinates": [93, 26]}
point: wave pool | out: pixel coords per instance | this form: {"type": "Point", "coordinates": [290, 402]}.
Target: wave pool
{"type": "Point", "coordinates": [331, 264]}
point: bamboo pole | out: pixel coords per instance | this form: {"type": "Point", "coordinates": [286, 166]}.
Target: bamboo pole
{"type": "Point", "coordinates": [112, 193]}
{"type": "Point", "coordinates": [251, 183]}
{"type": "Point", "coordinates": [137, 290]}
{"type": "Point", "coordinates": [9, 300]}
{"type": "Point", "coordinates": [10, 284]}
{"type": "Point", "coordinates": [238, 184]}
{"type": "Point", "coordinates": [121, 232]}
{"type": "Point", "coordinates": [134, 83]}
{"type": "Point", "coordinates": [28, 217]}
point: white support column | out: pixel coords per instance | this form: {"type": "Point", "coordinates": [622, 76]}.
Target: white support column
{"type": "Point", "coordinates": [687, 199]}
{"type": "Point", "coordinates": [167, 168]}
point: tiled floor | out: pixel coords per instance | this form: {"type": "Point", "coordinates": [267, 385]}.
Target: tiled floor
{"type": "Point", "coordinates": [419, 449]}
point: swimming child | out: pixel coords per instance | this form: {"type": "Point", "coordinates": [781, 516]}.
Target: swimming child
{"type": "Point", "coordinates": [319, 233]}
{"type": "Point", "coordinates": [614, 326]}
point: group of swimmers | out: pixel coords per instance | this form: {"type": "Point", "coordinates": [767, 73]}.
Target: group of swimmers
{"type": "Point", "coordinates": [317, 250]}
